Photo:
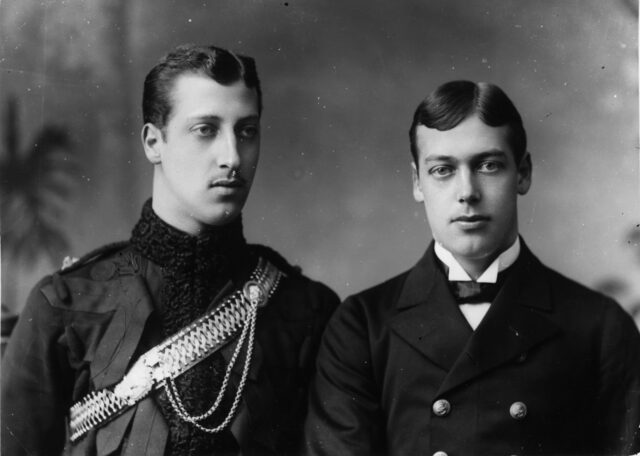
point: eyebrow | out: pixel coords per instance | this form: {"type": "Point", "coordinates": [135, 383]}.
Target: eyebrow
{"type": "Point", "coordinates": [214, 118]}
{"type": "Point", "coordinates": [492, 153]}
{"type": "Point", "coordinates": [251, 117]}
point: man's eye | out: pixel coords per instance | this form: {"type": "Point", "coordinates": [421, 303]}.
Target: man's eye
{"type": "Point", "coordinates": [489, 166]}
{"type": "Point", "coordinates": [248, 132]}
{"type": "Point", "coordinates": [440, 171]}
{"type": "Point", "coordinates": [205, 130]}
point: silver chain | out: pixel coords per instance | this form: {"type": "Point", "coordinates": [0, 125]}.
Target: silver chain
{"type": "Point", "coordinates": [177, 403]}
{"type": "Point", "coordinates": [159, 366]}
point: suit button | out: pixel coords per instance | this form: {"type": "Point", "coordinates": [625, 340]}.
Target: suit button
{"type": "Point", "coordinates": [522, 358]}
{"type": "Point", "coordinates": [518, 410]}
{"type": "Point", "coordinates": [441, 407]}
{"type": "Point", "coordinates": [440, 453]}
{"type": "Point", "coordinates": [103, 271]}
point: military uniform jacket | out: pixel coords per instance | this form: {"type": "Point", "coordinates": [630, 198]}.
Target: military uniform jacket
{"type": "Point", "coordinates": [82, 329]}
{"type": "Point", "coordinates": [553, 368]}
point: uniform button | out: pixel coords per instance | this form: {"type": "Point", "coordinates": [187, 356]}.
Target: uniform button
{"type": "Point", "coordinates": [440, 453]}
{"type": "Point", "coordinates": [518, 410]}
{"type": "Point", "coordinates": [522, 358]}
{"type": "Point", "coordinates": [441, 407]}
{"type": "Point", "coordinates": [103, 271]}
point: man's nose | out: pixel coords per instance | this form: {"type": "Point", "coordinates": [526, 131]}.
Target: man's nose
{"type": "Point", "coordinates": [468, 189]}
{"type": "Point", "coordinates": [228, 154]}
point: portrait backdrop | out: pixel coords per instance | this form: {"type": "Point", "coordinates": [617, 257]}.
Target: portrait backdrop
{"type": "Point", "coordinates": [341, 81]}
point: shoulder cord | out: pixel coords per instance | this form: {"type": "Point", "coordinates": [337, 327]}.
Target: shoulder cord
{"type": "Point", "coordinates": [159, 366]}
{"type": "Point", "coordinates": [178, 405]}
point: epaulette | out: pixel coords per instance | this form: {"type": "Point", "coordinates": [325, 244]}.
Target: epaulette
{"type": "Point", "coordinates": [58, 284]}
{"type": "Point", "coordinates": [277, 259]}
{"type": "Point", "coordinates": [92, 256]}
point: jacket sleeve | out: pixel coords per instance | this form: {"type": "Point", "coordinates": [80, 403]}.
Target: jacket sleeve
{"type": "Point", "coordinates": [344, 413]}
{"type": "Point", "coordinates": [34, 368]}
{"type": "Point", "coordinates": [619, 386]}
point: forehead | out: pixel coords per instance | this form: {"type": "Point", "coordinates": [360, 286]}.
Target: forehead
{"type": "Point", "coordinates": [194, 94]}
{"type": "Point", "coordinates": [468, 138]}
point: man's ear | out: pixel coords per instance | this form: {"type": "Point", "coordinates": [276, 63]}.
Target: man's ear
{"type": "Point", "coordinates": [417, 190]}
{"type": "Point", "coordinates": [525, 170]}
{"type": "Point", "coordinates": [151, 140]}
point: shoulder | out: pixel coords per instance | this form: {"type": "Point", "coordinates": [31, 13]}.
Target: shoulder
{"type": "Point", "coordinates": [89, 275]}
{"type": "Point", "coordinates": [570, 293]}
{"type": "Point", "coordinates": [580, 305]}
{"type": "Point", "coordinates": [585, 312]}
{"type": "Point", "coordinates": [368, 310]}
{"type": "Point", "coordinates": [297, 288]}
{"type": "Point", "coordinates": [72, 292]}
{"type": "Point", "coordinates": [384, 292]}
{"type": "Point", "coordinates": [567, 294]}
{"type": "Point", "coordinates": [85, 265]}
{"type": "Point", "coordinates": [376, 302]}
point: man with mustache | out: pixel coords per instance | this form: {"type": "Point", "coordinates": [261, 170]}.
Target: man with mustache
{"type": "Point", "coordinates": [479, 349]}
{"type": "Point", "coordinates": [184, 340]}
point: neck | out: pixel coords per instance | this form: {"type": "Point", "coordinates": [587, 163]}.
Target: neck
{"type": "Point", "coordinates": [475, 267]}
{"type": "Point", "coordinates": [161, 204]}
{"type": "Point", "coordinates": [479, 266]}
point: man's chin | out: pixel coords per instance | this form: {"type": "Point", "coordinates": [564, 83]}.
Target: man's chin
{"type": "Point", "coordinates": [221, 216]}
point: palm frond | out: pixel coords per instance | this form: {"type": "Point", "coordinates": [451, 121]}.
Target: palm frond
{"type": "Point", "coordinates": [35, 186]}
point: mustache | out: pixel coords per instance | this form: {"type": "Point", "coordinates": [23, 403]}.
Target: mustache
{"type": "Point", "coordinates": [232, 179]}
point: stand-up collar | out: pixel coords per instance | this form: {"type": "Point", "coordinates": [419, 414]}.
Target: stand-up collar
{"type": "Point", "coordinates": [180, 252]}
{"type": "Point", "coordinates": [490, 275]}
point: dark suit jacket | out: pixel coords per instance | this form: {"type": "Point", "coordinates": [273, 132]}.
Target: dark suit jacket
{"type": "Point", "coordinates": [82, 329]}
{"type": "Point", "coordinates": [570, 355]}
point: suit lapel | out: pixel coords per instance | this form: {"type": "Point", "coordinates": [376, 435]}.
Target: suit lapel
{"type": "Point", "coordinates": [514, 324]}
{"type": "Point", "coordinates": [429, 319]}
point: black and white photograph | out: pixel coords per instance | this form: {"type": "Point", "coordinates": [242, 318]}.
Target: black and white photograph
{"type": "Point", "coordinates": [266, 227]}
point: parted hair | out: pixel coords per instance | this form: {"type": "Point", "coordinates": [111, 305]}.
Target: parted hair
{"type": "Point", "coordinates": [219, 64]}
{"type": "Point", "coordinates": [454, 101]}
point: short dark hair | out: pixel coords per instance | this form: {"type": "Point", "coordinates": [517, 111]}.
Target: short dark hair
{"type": "Point", "coordinates": [454, 101]}
{"type": "Point", "coordinates": [219, 64]}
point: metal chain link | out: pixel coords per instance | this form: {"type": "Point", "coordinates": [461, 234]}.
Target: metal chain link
{"type": "Point", "coordinates": [161, 365]}
{"type": "Point", "coordinates": [177, 403]}
{"type": "Point", "coordinates": [99, 405]}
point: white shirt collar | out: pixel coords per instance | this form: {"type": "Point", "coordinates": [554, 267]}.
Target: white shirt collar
{"type": "Point", "coordinates": [490, 275]}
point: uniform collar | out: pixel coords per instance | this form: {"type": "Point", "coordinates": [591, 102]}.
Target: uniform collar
{"type": "Point", "coordinates": [490, 275]}
{"type": "Point", "coordinates": [215, 247]}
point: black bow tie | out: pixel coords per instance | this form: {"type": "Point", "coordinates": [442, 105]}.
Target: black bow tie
{"type": "Point", "coordinates": [469, 292]}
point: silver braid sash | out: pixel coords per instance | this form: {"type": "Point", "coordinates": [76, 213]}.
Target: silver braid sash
{"type": "Point", "coordinates": [163, 363]}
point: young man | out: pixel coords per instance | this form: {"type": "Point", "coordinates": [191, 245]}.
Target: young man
{"type": "Point", "coordinates": [479, 349]}
{"type": "Point", "coordinates": [185, 340]}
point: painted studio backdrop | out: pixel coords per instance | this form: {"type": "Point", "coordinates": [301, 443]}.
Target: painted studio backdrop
{"type": "Point", "coordinates": [341, 81]}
